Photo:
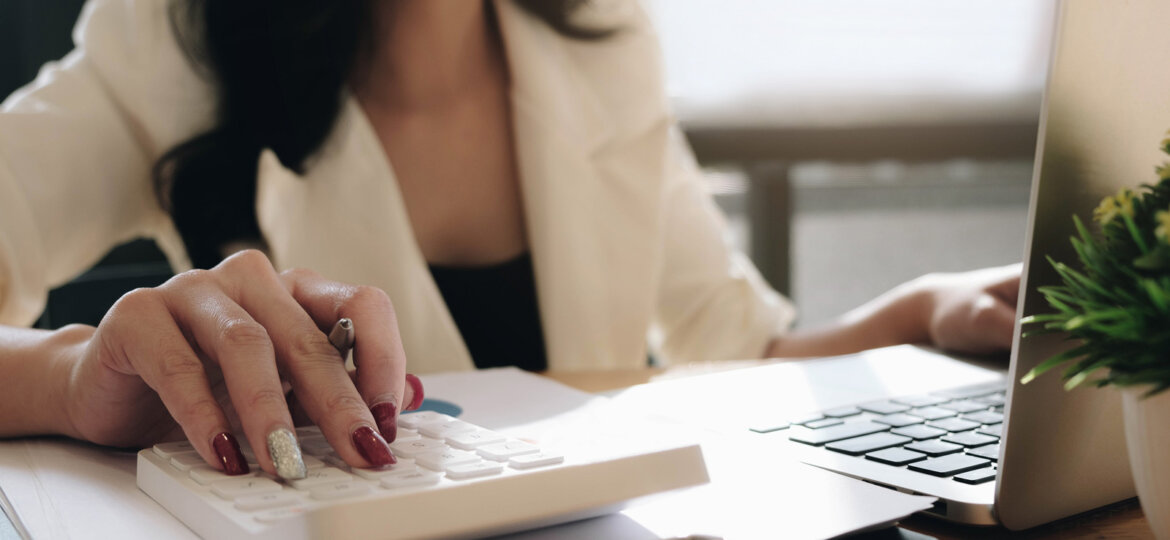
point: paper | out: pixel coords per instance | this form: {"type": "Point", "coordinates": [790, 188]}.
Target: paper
{"type": "Point", "coordinates": [66, 489]}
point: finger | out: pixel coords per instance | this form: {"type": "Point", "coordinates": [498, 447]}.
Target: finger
{"type": "Point", "coordinates": [378, 352]}
{"type": "Point", "coordinates": [997, 321]}
{"type": "Point", "coordinates": [142, 336]}
{"type": "Point", "coordinates": [313, 366]}
{"type": "Point", "coordinates": [229, 336]}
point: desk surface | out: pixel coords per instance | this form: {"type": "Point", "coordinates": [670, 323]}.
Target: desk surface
{"type": "Point", "coordinates": [1123, 520]}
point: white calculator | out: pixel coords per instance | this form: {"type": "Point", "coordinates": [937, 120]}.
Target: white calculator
{"type": "Point", "coordinates": [453, 479]}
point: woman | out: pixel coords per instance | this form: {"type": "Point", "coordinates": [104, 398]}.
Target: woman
{"type": "Point", "coordinates": [428, 151]}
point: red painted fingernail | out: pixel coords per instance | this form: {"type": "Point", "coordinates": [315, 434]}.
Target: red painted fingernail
{"type": "Point", "coordinates": [415, 385]}
{"type": "Point", "coordinates": [386, 415]}
{"type": "Point", "coordinates": [372, 447]}
{"type": "Point", "coordinates": [228, 451]}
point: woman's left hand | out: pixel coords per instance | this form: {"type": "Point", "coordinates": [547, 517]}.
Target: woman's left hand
{"type": "Point", "coordinates": [973, 312]}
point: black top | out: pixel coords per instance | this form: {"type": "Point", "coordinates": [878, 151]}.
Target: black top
{"type": "Point", "coordinates": [495, 309]}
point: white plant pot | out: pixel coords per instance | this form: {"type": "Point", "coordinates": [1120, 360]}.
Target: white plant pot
{"type": "Point", "coordinates": [1147, 433]}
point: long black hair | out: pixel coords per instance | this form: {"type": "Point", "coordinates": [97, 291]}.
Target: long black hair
{"type": "Point", "coordinates": [279, 68]}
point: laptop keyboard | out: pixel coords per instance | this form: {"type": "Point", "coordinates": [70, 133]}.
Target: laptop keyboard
{"type": "Point", "coordinates": [953, 433]}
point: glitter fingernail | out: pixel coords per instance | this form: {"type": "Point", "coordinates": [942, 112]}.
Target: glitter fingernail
{"type": "Point", "coordinates": [286, 454]}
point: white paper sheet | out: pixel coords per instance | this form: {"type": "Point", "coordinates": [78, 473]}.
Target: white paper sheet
{"type": "Point", "coordinates": [65, 489]}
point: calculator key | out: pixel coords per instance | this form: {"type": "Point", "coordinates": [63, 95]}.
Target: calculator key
{"type": "Point", "coordinates": [934, 447]}
{"type": "Point", "coordinates": [416, 419]}
{"type": "Point", "coordinates": [470, 440]}
{"type": "Point", "coordinates": [950, 465]}
{"type": "Point", "coordinates": [532, 461]}
{"type": "Point", "coordinates": [280, 514]}
{"type": "Point", "coordinates": [990, 451]}
{"type": "Point", "coordinates": [405, 434]}
{"type": "Point", "coordinates": [474, 470]}
{"type": "Point", "coordinates": [931, 413]}
{"type": "Point", "coordinates": [919, 432]}
{"type": "Point", "coordinates": [977, 476]}
{"type": "Point", "coordinates": [867, 443]}
{"type": "Point", "coordinates": [333, 460]}
{"type": "Point", "coordinates": [413, 448]}
{"type": "Point", "coordinates": [842, 412]}
{"type": "Point", "coordinates": [898, 420]}
{"type": "Point", "coordinates": [506, 450]}
{"type": "Point", "coordinates": [970, 439]}
{"type": "Point", "coordinates": [419, 477]}
{"type": "Point", "coordinates": [896, 456]}
{"type": "Point", "coordinates": [340, 490]}
{"type": "Point", "coordinates": [206, 475]}
{"type": "Point", "coordinates": [443, 459]}
{"type": "Point", "coordinates": [953, 424]}
{"type": "Point", "coordinates": [984, 417]}
{"type": "Point", "coordinates": [312, 462]}
{"type": "Point", "coordinates": [441, 430]}
{"type": "Point", "coordinates": [266, 501]}
{"type": "Point", "coordinates": [324, 475]}
{"type": "Point", "coordinates": [995, 430]}
{"type": "Point", "coordinates": [818, 437]}
{"type": "Point", "coordinates": [964, 406]}
{"type": "Point", "coordinates": [884, 407]}
{"type": "Point", "coordinates": [377, 474]}
{"type": "Point", "coordinates": [824, 423]}
{"type": "Point", "coordinates": [185, 462]}
{"type": "Point", "coordinates": [243, 487]}
{"type": "Point", "coordinates": [316, 447]}
{"type": "Point", "coordinates": [170, 449]}
{"type": "Point", "coordinates": [919, 401]}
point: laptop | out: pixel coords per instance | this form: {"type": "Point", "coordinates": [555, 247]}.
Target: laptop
{"type": "Point", "coordinates": [1056, 453]}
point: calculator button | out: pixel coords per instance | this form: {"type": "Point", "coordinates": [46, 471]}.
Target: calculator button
{"type": "Point", "coordinates": [419, 477]}
{"type": "Point", "coordinates": [312, 462]}
{"type": "Point", "coordinates": [324, 475]}
{"type": "Point", "coordinates": [414, 420]}
{"type": "Point", "coordinates": [405, 434]}
{"type": "Point", "coordinates": [443, 459]}
{"type": "Point", "coordinates": [167, 450]}
{"type": "Point", "coordinates": [185, 462]}
{"type": "Point", "coordinates": [244, 487]}
{"type": "Point", "coordinates": [506, 450]}
{"type": "Point", "coordinates": [378, 474]}
{"type": "Point", "coordinates": [474, 470]}
{"type": "Point", "coordinates": [539, 459]}
{"type": "Point", "coordinates": [472, 439]}
{"type": "Point", "coordinates": [280, 514]}
{"type": "Point", "coordinates": [206, 475]}
{"type": "Point", "coordinates": [440, 430]}
{"type": "Point", "coordinates": [266, 501]}
{"type": "Point", "coordinates": [340, 490]}
{"type": "Point", "coordinates": [413, 448]}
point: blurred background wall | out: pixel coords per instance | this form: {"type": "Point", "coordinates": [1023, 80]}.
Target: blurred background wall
{"type": "Point", "coordinates": [853, 144]}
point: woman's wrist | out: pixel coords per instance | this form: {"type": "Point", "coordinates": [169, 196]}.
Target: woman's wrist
{"type": "Point", "coordinates": [38, 369]}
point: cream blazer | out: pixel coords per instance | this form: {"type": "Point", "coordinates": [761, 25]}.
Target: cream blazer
{"type": "Point", "coordinates": [628, 247]}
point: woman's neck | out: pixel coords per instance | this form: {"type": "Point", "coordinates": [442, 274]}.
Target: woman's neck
{"type": "Point", "coordinates": [427, 52]}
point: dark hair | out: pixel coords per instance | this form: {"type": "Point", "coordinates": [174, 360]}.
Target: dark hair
{"type": "Point", "coordinates": [279, 68]}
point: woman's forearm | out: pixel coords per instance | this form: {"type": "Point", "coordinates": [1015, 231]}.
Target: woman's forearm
{"type": "Point", "coordinates": [34, 379]}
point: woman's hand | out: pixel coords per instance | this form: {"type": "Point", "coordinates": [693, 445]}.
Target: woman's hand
{"type": "Point", "coordinates": [973, 312]}
{"type": "Point", "coordinates": [240, 332]}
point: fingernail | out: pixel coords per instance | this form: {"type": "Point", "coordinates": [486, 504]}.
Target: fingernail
{"type": "Point", "coordinates": [415, 385]}
{"type": "Point", "coordinates": [286, 454]}
{"type": "Point", "coordinates": [372, 447]}
{"type": "Point", "coordinates": [228, 451]}
{"type": "Point", "coordinates": [386, 415]}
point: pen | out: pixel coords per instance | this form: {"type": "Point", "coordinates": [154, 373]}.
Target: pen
{"type": "Point", "coordinates": [341, 337]}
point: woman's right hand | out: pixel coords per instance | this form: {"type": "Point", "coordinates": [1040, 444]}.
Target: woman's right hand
{"type": "Point", "coordinates": [160, 358]}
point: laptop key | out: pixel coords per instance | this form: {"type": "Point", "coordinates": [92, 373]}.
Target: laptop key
{"type": "Point", "coordinates": [919, 432]}
{"type": "Point", "coordinates": [824, 423]}
{"type": "Point", "coordinates": [805, 418]}
{"type": "Point", "coordinates": [768, 428]}
{"type": "Point", "coordinates": [919, 401]}
{"type": "Point", "coordinates": [990, 451]}
{"type": "Point", "coordinates": [995, 430]}
{"type": "Point", "coordinates": [985, 417]}
{"type": "Point", "coordinates": [993, 399]}
{"type": "Point", "coordinates": [842, 412]}
{"type": "Point", "coordinates": [884, 407]}
{"type": "Point", "coordinates": [934, 448]}
{"type": "Point", "coordinates": [867, 443]}
{"type": "Point", "coordinates": [895, 456]}
{"type": "Point", "coordinates": [898, 420]}
{"type": "Point", "coordinates": [968, 392]}
{"type": "Point", "coordinates": [931, 413]}
{"type": "Point", "coordinates": [950, 465]}
{"type": "Point", "coordinates": [977, 476]}
{"type": "Point", "coordinates": [953, 424]}
{"type": "Point", "coordinates": [964, 406]}
{"type": "Point", "coordinates": [817, 437]}
{"type": "Point", "coordinates": [970, 439]}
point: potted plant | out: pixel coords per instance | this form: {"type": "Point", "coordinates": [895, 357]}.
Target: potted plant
{"type": "Point", "coordinates": [1116, 307]}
